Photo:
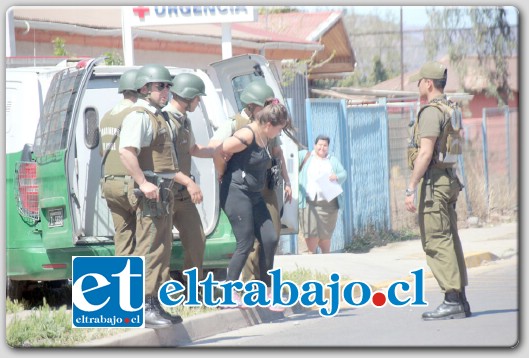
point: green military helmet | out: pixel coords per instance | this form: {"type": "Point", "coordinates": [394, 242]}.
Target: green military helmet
{"type": "Point", "coordinates": [256, 92]}
{"type": "Point", "coordinates": [188, 86]}
{"type": "Point", "coordinates": [127, 81]}
{"type": "Point", "coordinates": [152, 73]}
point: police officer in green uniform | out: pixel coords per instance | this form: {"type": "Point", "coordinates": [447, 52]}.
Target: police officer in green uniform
{"type": "Point", "coordinates": [116, 184]}
{"type": "Point", "coordinates": [437, 187]}
{"type": "Point", "coordinates": [147, 153]}
{"type": "Point", "coordinates": [253, 98]}
{"type": "Point", "coordinates": [186, 91]}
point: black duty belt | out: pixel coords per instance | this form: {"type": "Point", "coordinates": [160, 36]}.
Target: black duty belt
{"type": "Point", "coordinates": [181, 187]}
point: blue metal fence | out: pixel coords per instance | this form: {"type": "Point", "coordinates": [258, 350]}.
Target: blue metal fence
{"type": "Point", "coordinates": [359, 139]}
{"type": "Point", "coordinates": [368, 167]}
{"type": "Point", "coordinates": [370, 141]}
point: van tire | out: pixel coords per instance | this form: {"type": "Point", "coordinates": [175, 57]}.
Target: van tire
{"type": "Point", "coordinates": [15, 289]}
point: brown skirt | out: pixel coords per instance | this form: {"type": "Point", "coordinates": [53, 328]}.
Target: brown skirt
{"type": "Point", "coordinates": [319, 219]}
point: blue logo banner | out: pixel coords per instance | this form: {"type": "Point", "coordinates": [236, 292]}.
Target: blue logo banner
{"type": "Point", "coordinates": [108, 292]}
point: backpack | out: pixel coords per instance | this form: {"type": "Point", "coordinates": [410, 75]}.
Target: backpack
{"type": "Point", "coordinates": [450, 144]}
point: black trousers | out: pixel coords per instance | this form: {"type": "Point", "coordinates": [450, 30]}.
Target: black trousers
{"type": "Point", "coordinates": [250, 220]}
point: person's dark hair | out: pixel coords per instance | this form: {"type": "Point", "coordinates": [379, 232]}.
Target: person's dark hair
{"type": "Point", "coordinates": [273, 112]}
{"type": "Point", "coordinates": [289, 130]}
{"type": "Point", "coordinates": [277, 114]}
{"type": "Point", "coordinates": [130, 94]}
{"type": "Point", "coordinates": [441, 83]}
{"type": "Point", "coordinates": [323, 137]}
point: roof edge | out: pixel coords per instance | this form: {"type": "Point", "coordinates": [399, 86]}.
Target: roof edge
{"type": "Point", "coordinates": [152, 34]}
{"type": "Point", "coordinates": [333, 18]}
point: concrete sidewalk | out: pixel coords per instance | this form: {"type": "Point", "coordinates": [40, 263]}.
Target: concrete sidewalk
{"type": "Point", "coordinates": [378, 268]}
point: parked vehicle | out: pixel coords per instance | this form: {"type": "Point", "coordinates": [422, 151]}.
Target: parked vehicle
{"type": "Point", "coordinates": [54, 208]}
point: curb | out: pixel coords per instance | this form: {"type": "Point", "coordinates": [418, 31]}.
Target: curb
{"type": "Point", "coordinates": [210, 324]}
{"type": "Point", "coordinates": [194, 328]}
{"type": "Point", "coordinates": [479, 258]}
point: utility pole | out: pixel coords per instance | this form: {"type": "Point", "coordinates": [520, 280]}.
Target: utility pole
{"type": "Point", "coordinates": [10, 34]}
{"type": "Point", "coordinates": [401, 52]}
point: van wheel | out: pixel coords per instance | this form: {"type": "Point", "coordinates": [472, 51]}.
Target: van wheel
{"type": "Point", "coordinates": [15, 289]}
{"type": "Point", "coordinates": [57, 293]}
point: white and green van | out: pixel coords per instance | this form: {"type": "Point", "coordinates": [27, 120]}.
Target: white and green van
{"type": "Point", "coordinates": [54, 209]}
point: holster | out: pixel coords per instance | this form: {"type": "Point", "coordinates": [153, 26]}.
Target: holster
{"type": "Point", "coordinates": [153, 208]}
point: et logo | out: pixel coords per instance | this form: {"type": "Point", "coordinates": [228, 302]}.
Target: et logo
{"type": "Point", "coordinates": [108, 292]}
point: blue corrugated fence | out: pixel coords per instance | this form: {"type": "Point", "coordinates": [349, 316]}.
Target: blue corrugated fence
{"type": "Point", "coordinates": [359, 139]}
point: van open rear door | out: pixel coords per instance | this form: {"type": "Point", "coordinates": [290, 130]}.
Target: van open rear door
{"type": "Point", "coordinates": [231, 76]}
{"type": "Point", "coordinates": [58, 194]}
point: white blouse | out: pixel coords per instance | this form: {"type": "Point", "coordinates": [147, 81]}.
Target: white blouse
{"type": "Point", "coordinates": [317, 168]}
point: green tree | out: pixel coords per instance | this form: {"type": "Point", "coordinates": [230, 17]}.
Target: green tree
{"type": "Point", "coordinates": [378, 73]}
{"type": "Point", "coordinates": [376, 41]}
{"type": "Point", "coordinates": [113, 58]}
{"type": "Point", "coordinates": [59, 47]}
{"type": "Point", "coordinates": [304, 67]}
{"type": "Point", "coordinates": [276, 10]}
{"type": "Point", "coordinates": [357, 79]}
{"type": "Point", "coordinates": [479, 32]}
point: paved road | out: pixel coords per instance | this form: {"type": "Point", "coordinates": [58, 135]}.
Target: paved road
{"type": "Point", "coordinates": [485, 248]}
{"type": "Point", "coordinates": [493, 294]}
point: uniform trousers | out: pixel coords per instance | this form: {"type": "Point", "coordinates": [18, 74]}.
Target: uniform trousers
{"type": "Point", "coordinates": [187, 221]}
{"type": "Point", "coordinates": [438, 192]}
{"type": "Point", "coordinates": [116, 190]}
{"type": "Point", "coordinates": [154, 241]}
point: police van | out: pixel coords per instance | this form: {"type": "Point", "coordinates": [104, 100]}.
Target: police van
{"type": "Point", "coordinates": [54, 208]}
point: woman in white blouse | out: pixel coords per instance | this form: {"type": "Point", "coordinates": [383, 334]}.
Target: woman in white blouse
{"type": "Point", "coordinates": [320, 180]}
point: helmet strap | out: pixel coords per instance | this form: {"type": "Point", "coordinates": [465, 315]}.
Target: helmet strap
{"type": "Point", "coordinates": [186, 102]}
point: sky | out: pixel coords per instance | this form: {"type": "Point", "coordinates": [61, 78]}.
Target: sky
{"type": "Point", "coordinates": [412, 16]}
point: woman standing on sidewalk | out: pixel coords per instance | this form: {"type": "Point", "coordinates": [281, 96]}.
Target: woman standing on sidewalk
{"type": "Point", "coordinates": [319, 214]}
{"type": "Point", "coordinates": [243, 179]}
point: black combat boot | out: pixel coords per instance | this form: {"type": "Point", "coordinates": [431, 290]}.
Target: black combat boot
{"type": "Point", "coordinates": [173, 318]}
{"type": "Point", "coordinates": [153, 319]}
{"type": "Point", "coordinates": [452, 307]}
{"type": "Point", "coordinates": [466, 305]}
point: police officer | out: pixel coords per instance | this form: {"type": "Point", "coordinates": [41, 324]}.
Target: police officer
{"type": "Point", "coordinates": [437, 187]}
{"type": "Point", "coordinates": [147, 152]}
{"type": "Point", "coordinates": [253, 98]}
{"type": "Point", "coordinates": [116, 183]}
{"type": "Point", "coordinates": [186, 91]}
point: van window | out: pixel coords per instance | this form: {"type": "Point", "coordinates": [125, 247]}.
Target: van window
{"type": "Point", "coordinates": [239, 83]}
{"type": "Point", "coordinates": [91, 127]}
{"type": "Point", "coordinates": [54, 122]}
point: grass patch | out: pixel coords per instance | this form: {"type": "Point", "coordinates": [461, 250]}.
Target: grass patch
{"type": "Point", "coordinates": [376, 238]}
{"type": "Point", "coordinates": [302, 274]}
{"type": "Point", "coordinates": [47, 327]}
{"type": "Point", "coordinates": [14, 306]}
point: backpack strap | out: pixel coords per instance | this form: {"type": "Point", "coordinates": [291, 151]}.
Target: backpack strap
{"type": "Point", "coordinates": [304, 160]}
{"type": "Point", "coordinates": [243, 141]}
